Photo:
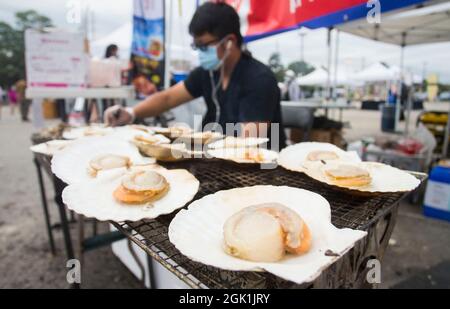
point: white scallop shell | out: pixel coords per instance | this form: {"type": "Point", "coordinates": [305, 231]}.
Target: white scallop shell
{"type": "Point", "coordinates": [198, 231]}
{"type": "Point", "coordinates": [293, 157]}
{"type": "Point", "coordinates": [94, 198]}
{"type": "Point", "coordinates": [236, 142]}
{"type": "Point", "coordinates": [90, 131]}
{"type": "Point", "coordinates": [71, 164]}
{"type": "Point", "coordinates": [128, 133]}
{"type": "Point", "coordinates": [50, 148]}
{"type": "Point", "coordinates": [200, 138]}
{"type": "Point", "coordinates": [238, 155]}
{"type": "Point", "coordinates": [385, 178]}
{"type": "Point", "coordinates": [160, 139]}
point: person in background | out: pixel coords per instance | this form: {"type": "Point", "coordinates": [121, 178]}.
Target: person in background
{"type": "Point", "coordinates": [21, 87]}
{"type": "Point", "coordinates": [238, 89]}
{"type": "Point", "coordinates": [112, 51]}
{"type": "Point", "coordinates": [293, 89]}
{"type": "Point", "coordinates": [1, 101]}
{"type": "Point", "coordinates": [12, 99]}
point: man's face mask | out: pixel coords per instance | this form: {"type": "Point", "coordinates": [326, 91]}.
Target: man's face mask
{"type": "Point", "coordinates": [209, 59]}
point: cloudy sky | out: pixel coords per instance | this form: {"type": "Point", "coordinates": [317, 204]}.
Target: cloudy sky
{"type": "Point", "coordinates": [354, 52]}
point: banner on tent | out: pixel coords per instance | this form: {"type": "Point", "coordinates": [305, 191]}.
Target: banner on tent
{"type": "Point", "coordinates": [148, 52]}
{"type": "Point", "coordinates": [264, 18]}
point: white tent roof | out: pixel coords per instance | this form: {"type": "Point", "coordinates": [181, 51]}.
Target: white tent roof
{"type": "Point", "coordinates": [123, 36]}
{"type": "Point", "coordinates": [430, 24]}
{"type": "Point", "coordinates": [377, 72]}
{"type": "Point", "coordinates": [380, 72]}
{"type": "Point", "coordinates": [319, 77]}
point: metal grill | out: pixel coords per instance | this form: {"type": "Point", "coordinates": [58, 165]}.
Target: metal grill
{"type": "Point", "coordinates": [348, 211]}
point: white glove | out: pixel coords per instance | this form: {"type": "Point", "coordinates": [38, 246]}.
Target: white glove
{"type": "Point", "coordinates": [118, 116]}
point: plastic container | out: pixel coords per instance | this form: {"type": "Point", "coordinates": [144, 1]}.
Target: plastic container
{"type": "Point", "coordinates": [437, 197]}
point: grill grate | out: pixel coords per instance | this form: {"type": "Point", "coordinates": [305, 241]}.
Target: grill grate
{"type": "Point", "coordinates": [348, 211]}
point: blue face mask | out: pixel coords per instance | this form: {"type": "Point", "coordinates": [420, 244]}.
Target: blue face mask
{"type": "Point", "coordinates": [209, 59]}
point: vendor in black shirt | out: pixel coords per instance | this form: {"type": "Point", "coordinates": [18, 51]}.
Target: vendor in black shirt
{"type": "Point", "coordinates": [238, 89]}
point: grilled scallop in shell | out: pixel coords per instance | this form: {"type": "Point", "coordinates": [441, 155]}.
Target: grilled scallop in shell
{"type": "Point", "coordinates": [322, 156]}
{"type": "Point", "coordinates": [107, 162]}
{"type": "Point", "coordinates": [264, 233]}
{"type": "Point", "coordinates": [141, 187]}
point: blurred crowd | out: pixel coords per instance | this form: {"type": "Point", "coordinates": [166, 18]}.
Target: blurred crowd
{"type": "Point", "coordinates": [14, 96]}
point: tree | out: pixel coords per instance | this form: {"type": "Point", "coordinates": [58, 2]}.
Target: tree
{"type": "Point", "coordinates": [31, 19]}
{"type": "Point", "coordinates": [301, 68]}
{"type": "Point", "coordinates": [276, 66]}
{"type": "Point", "coordinates": [12, 45]}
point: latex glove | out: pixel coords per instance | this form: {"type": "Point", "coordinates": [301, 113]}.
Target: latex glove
{"type": "Point", "coordinates": [119, 116]}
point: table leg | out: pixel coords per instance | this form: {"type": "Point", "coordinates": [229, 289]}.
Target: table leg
{"type": "Point", "coordinates": [137, 260]}
{"type": "Point", "coordinates": [64, 222]}
{"type": "Point", "coordinates": [151, 273]}
{"type": "Point", "coordinates": [45, 207]}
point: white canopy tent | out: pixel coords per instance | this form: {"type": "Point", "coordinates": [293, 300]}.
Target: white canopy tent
{"type": "Point", "coordinates": [377, 72]}
{"type": "Point", "coordinates": [320, 77]}
{"type": "Point", "coordinates": [381, 72]}
{"type": "Point", "coordinates": [428, 24]}
{"type": "Point", "coordinates": [123, 36]}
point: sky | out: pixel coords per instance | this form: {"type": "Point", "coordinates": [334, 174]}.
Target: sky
{"type": "Point", "coordinates": [354, 52]}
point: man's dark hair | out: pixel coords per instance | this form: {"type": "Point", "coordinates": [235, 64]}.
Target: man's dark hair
{"type": "Point", "coordinates": [218, 19]}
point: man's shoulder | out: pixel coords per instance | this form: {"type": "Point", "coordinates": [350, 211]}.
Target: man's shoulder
{"type": "Point", "coordinates": [257, 70]}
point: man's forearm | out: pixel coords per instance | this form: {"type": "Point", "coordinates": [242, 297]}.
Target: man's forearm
{"type": "Point", "coordinates": [163, 101]}
{"type": "Point", "coordinates": [152, 106]}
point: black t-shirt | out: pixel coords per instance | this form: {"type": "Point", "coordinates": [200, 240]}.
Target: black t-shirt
{"type": "Point", "coordinates": [252, 95]}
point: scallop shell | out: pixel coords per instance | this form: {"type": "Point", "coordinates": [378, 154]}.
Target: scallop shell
{"type": "Point", "coordinates": [237, 142]}
{"type": "Point", "coordinates": [173, 132]}
{"type": "Point", "coordinates": [94, 198]}
{"type": "Point", "coordinates": [90, 131]}
{"type": "Point", "coordinates": [200, 138]}
{"type": "Point", "coordinates": [159, 139]}
{"type": "Point", "coordinates": [293, 158]}
{"type": "Point", "coordinates": [385, 178]}
{"type": "Point", "coordinates": [71, 164]}
{"type": "Point", "coordinates": [167, 152]}
{"type": "Point", "coordinates": [128, 133]}
{"type": "Point", "coordinates": [238, 155]}
{"type": "Point", "coordinates": [198, 231]}
{"type": "Point", "coordinates": [50, 148]}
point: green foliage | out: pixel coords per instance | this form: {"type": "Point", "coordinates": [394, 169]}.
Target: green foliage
{"type": "Point", "coordinates": [301, 68]}
{"type": "Point", "coordinates": [12, 45]}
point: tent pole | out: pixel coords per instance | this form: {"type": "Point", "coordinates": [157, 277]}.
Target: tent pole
{"type": "Point", "coordinates": [447, 136]}
{"type": "Point", "coordinates": [336, 63]}
{"type": "Point", "coordinates": [329, 64]}
{"type": "Point", "coordinates": [400, 90]}
{"type": "Point", "coordinates": [168, 22]}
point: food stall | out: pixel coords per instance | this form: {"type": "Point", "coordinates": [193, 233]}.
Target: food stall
{"type": "Point", "coordinates": [181, 206]}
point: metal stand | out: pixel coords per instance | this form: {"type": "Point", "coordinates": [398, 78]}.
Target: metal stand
{"type": "Point", "coordinates": [45, 207]}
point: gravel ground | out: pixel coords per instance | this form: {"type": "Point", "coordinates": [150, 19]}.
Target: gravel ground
{"type": "Point", "coordinates": [418, 245]}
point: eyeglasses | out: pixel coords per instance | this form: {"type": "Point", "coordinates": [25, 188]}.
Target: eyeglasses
{"type": "Point", "coordinates": [204, 47]}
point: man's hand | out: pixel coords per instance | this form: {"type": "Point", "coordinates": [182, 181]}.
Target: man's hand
{"type": "Point", "coordinates": [118, 116]}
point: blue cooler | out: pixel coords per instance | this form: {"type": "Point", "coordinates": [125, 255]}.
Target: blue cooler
{"type": "Point", "coordinates": [437, 197]}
